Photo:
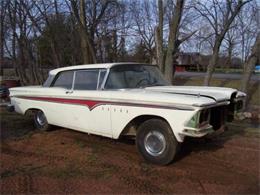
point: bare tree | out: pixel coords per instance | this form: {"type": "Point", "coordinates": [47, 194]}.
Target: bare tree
{"type": "Point", "coordinates": [231, 40]}
{"type": "Point", "coordinates": [17, 20]}
{"type": "Point", "coordinates": [173, 42]}
{"type": "Point", "coordinates": [112, 32]}
{"type": "Point", "coordinates": [247, 27]}
{"type": "Point", "coordinates": [89, 15]}
{"type": "Point", "coordinates": [220, 16]}
{"type": "Point", "coordinates": [174, 39]}
{"type": "Point", "coordinates": [80, 15]}
{"type": "Point", "coordinates": [250, 64]}
{"type": "Point", "coordinates": [143, 24]}
{"type": "Point", "coordinates": [2, 33]}
{"type": "Point", "coordinates": [48, 33]}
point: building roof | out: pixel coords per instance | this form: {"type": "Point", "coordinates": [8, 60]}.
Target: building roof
{"type": "Point", "coordinates": [91, 66]}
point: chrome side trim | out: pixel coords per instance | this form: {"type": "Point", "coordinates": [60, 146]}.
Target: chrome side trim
{"type": "Point", "coordinates": [212, 105]}
{"type": "Point", "coordinates": [103, 101]}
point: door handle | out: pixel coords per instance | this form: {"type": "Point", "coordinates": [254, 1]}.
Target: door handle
{"type": "Point", "coordinates": [69, 92]}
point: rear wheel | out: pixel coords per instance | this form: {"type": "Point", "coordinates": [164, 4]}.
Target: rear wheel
{"type": "Point", "coordinates": [40, 121]}
{"type": "Point", "coordinates": [156, 142]}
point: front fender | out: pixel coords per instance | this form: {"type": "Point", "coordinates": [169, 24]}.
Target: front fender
{"type": "Point", "coordinates": [122, 115]}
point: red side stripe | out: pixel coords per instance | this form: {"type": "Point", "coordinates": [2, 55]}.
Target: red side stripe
{"type": "Point", "coordinates": [89, 103]}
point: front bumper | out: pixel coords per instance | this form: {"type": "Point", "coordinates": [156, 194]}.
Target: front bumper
{"type": "Point", "coordinates": [198, 132]}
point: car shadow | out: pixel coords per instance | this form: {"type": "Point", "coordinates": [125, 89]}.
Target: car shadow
{"type": "Point", "coordinates": [15, 126]}
{"type": "Point", "coordinates": [204, 144]}
{"type": "Point", "coordinates": [214, 143]}
{"type": "Point", "coordinates": [191, 145]}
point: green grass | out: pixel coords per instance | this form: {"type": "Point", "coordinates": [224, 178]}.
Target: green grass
{"type": "Point", "coordinates": [229, 70]}
{"type": "Point", "coordinates": [80, 143]}
{"type": "Point", "coordinates": [71, 170]}
{"type": "Point", "coordinates": [22, 170]}
{"type": "Point", "coordinates": [92, 158]}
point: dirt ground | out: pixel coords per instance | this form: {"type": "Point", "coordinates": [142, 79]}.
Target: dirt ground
{"type": "Point", "coordinates": [66, 161]}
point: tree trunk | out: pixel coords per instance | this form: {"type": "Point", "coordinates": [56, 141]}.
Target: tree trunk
{"type": "Point", "coordinates": [2, 39]}
{"type": "Point", "coordinates": [159, 37]}
{"type": "Point", "coordinates": [55, 55]}
{"type": "Point", "coordinates": [23, 62]}
{"type": "Point", "coordinates": [230, 52]}
{"type": "Point", "coordinates": [1, 48]}
{"type": "Point", "coordinates": [173, 41]}
{"type": "Point", "coordinates": [212, 63]}
{"type": "Point", "coordinates": [87, 49]}
{"type": "Point", "coordinates": [250, 65]}
{"type": "Point", "coordinates": [83, 43]}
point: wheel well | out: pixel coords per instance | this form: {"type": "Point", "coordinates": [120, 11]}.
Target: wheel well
{"type": "Point", "coordinates": [30, 111]}
{"type": "Point", "coordinates": [131, 128]}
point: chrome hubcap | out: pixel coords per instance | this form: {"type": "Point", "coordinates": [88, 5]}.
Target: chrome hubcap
{"type": "Point", "coordinates": [155, 143]}
{"type": "Point", "coordinates": [41, 119]}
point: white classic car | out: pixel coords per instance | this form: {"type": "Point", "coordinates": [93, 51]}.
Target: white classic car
{"type": "Point", "coordinates": [118, 99]}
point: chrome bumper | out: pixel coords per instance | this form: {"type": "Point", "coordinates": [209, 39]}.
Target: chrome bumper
{"type": "Point", "coordinates": [198, 132]}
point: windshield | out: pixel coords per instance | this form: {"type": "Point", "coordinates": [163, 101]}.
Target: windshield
{"type": "Point", "coordinates": [134, 76]}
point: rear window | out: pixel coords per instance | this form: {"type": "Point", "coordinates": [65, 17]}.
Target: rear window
{"type": "Point", "coordinates": [89, 79]}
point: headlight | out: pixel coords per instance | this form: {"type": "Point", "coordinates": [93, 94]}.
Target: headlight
{"type": "Point", "coordinates": [193, 122]}
{"type": "Point", "coordinates": [199, 119]}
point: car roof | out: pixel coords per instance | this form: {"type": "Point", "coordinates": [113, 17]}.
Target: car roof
{"type": "Point", "coordinates": [91, 66]}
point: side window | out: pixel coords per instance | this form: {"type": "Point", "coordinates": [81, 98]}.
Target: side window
{"type": "Point", "coordinates": [89, 79]}
{"type": "Point", "coordinates": [64, 80]}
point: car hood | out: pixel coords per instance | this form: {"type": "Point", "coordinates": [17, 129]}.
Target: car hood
{"type": "Point", "coordinates": [216, 93]}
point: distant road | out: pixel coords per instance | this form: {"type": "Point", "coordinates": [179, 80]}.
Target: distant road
{"type": "Point", "coordinates": [255, 77]}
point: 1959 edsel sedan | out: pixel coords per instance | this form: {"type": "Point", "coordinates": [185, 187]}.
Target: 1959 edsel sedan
{"type": "Point", "coordinates": [119, 99]}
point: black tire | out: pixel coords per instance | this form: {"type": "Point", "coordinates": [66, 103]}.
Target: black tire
{"type": "Point", "coordinates": [156, 142]}
{"type": "Point", "coordinates": [40, 121]}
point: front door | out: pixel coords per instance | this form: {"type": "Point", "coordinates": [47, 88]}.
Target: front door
{"type": "Point", "coordinates": [90, 112]}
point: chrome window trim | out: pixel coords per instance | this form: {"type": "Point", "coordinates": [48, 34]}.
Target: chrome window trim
{"type": "Point", "coordinates": [105, 79]}
{"type": "Point", "coordinates": [100, 86]}
{"type": "Point", "coordinates": [73, 80]}
{"type": "Point", "coordinates": [98, 79]}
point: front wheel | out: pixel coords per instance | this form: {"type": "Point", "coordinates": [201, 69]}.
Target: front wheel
{"type": "Point", "coordinates": [40, 121]}
{"type": "Point", "coordinates": [156, 142]}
